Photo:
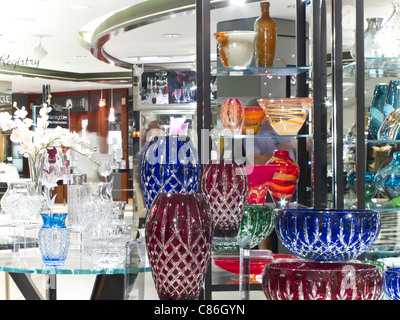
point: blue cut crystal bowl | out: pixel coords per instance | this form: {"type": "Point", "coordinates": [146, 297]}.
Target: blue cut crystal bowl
{"type": "Point", "coordinates": [391, 283]}
{"type": "Point", "coordinates": [327, 234]}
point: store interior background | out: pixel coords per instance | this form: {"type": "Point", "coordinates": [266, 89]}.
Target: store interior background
{"type": "Point", "coordinates": [165, 46]}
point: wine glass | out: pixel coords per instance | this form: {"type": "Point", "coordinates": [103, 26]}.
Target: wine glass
{"type": "Point", "coordinates": [177, 94]}
{"type": "Point", "coordinates": [54, 169]}
{"type": "Point", "coordinates": [106, 166]}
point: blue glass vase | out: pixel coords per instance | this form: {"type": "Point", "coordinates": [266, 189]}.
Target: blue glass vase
{"type": "Point", "coordinates": [381, 174]}
{"type": "Point", "coordinates": [170, 165]}
{"type": "Point", "coordinates": [54, 239]}
{"type": "Point", "coordinates": [376, 115]}
{"type": "Point", "coordinates": [370, 188]}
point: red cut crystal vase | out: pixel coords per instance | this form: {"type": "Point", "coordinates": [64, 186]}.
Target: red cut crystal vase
{"type": "Point", "coordinates": [178, 236]}
{"type": "Point", "coordinates": [225, 185]}
{"type": "Point", "coordinates": [284, 181]}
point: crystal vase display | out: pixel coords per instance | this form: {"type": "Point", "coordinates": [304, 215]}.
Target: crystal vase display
{"type": "Point", "coordinates": [170, 164]}
{"type": "Point", "coordinates": [98, 203]}
{"type": "Point", "coordinates": [284, 181]}
{"type": "Point", "coordinates": [376, 115]}
{"type": "Point", "coordinates": [225, 185]}
{"type": "Point", "coordinates": [79, 193]}
{"type": "Point", "coordinates": [36, 164]}
{"type": "Point", "coordinates": [265, 43]}
{"type": "Point", "coordinates": [54, 239]}
{"type": "Point", "coordinates": [371, 42]}
{"type": "Point", "coordinates": [21, 203]}
{"type": "Point", "coordinates": [232, 116]}
{"type": "Point", "coordinates": [178, 241]}
{"type": "Point", "coordinates": [105, 237]}
{"type": "Point", "coordinates": [387, 37]}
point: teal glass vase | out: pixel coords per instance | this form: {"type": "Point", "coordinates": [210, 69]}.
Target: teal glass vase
{"type": "Point", "coordinates": [381, 174]}
{"type": "Point", "coordinates": [376, 114]}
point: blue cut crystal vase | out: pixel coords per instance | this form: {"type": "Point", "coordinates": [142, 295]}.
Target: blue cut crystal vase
{"type": "Point", "coordinates": [169, 165]}
{"type": "Point", "coordinates": [376, 115]}
{"type": "Point", "coordinates": [54, 239]}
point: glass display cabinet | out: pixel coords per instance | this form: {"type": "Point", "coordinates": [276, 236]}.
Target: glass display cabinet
{"type": "Point", "coordinates": [362, 99]}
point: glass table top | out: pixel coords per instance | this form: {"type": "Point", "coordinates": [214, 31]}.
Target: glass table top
{"type": "Point", "coordinates": [78, 262]}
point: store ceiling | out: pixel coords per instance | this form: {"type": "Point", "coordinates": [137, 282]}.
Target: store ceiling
{"type": "Point", "coordinates": [57, 24]}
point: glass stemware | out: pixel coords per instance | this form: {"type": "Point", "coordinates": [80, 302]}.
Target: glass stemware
{"type": "Point", "coordinates": [177, 94]}
{"type": "Point", "coordinates": [106, 166]}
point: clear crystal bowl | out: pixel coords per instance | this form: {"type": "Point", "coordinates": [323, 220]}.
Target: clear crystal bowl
{"type": "Point", "coordinates": [306, 280]}
{"type": "Point", "coordinates": [327, 234]}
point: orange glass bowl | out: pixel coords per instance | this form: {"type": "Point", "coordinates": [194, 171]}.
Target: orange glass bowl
{"type": "Point", "coordinates": [236, 48]}
{"type": "Point", "coordinates": [253, 117]}
{"type": "Point", "coordinates": [286, 115]}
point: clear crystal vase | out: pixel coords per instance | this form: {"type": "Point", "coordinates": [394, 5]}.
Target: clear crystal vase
{"type": "Point", "coordinates": [105, 237]}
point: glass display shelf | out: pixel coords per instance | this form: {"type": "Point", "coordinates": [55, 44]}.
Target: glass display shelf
{"type": "Point", "coordinates": [376, 67]}
{"type": "Point", "coordinates": [350, 142]}
{"type": "Point", "coordinates": [78, 262]}
{"type": "Point", "coordinates": [242, 136]}
{"type": "Point", "coordinates": [381, 205]}
{"type": "Point", "coordinates": [259, 71]}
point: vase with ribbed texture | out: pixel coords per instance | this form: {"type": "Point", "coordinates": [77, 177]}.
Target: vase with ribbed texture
{"type": "Point", "coordinates": [169, 165]}
{"type": "Point", "coordinates": [265, 44]}
{"type": "Point", "coordinates": [178, 236]}
{"type": "Point", "coordinates": [284, 181]}
{"type": "Point", "coordinates": [225, 185]}
{"type": "Point", "coordinates": [54, 239]}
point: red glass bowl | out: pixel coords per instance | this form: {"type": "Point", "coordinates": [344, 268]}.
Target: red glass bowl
{"type": "Point", "coordinates": [258, 260]}
{"type": "Point", "coordinates": [304, 280]}
{"type": "Point", "coordinates": [259, 177]}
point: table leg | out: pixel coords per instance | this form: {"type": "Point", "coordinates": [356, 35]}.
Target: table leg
{"type": "Point", "coordinates": [51, 287]}
{"type": "Point", "coordinates": [26, 286]}
{"type": "Point", "coordinates": [108, 287]}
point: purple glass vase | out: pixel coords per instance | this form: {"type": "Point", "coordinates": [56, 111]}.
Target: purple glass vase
{"type": "Point", "coordinates": [225, 186]}
{"type": "Point", "coordinates": [178, 240]}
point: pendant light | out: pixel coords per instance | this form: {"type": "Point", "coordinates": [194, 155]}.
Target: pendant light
{"type": "Point", "coordinates": [102, 102]}
{"type": "Point", "coordinates": [111, 116]}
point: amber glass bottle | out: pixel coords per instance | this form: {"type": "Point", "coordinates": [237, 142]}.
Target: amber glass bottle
{"type": "Point", "coordinates": [265, 43]}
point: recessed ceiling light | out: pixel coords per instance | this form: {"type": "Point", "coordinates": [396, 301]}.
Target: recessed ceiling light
{"type": "Point", "coordinates": [172, 35]}
{"type": "Point", "coordinates": [80, 7]}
